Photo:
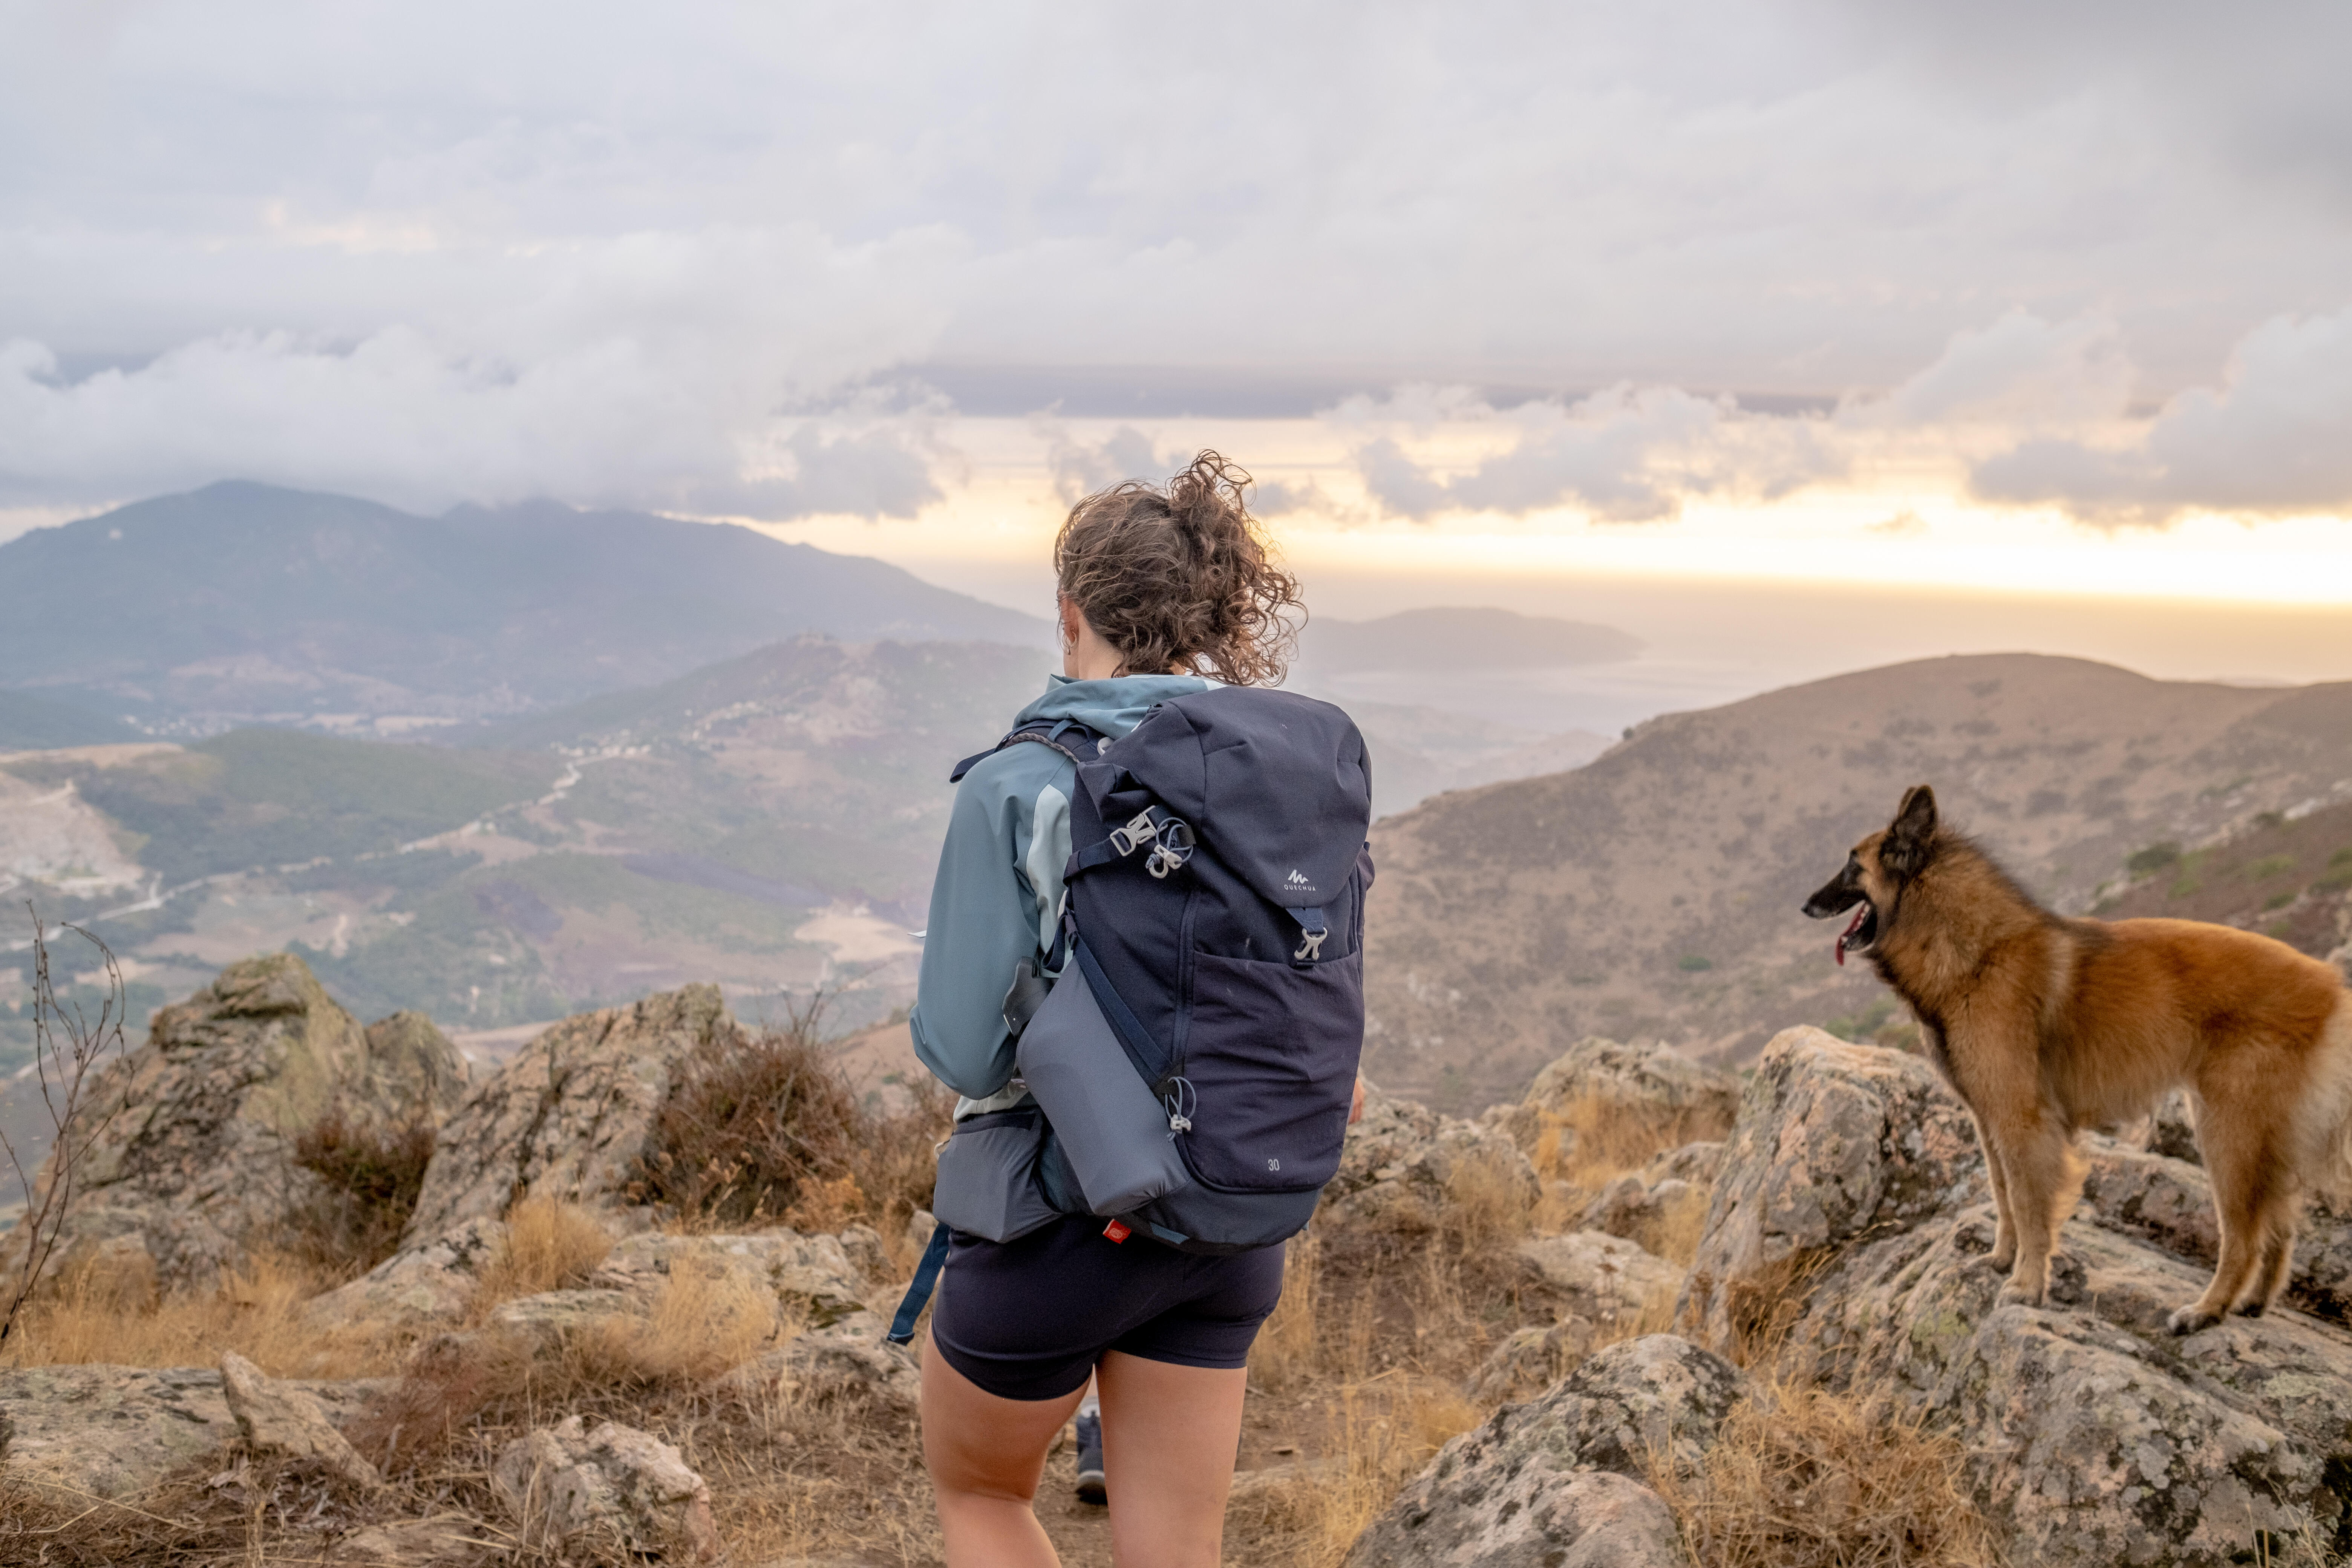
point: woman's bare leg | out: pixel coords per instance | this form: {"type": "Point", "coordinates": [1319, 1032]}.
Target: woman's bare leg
{"type": "Point", "coordinates": [1169, 1437]}
{"type": "Point", "coordinates": [986, 1456]}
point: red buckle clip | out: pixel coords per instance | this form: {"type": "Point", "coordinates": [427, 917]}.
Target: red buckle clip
{"type": "Point", "coordinates": [1118, 1230]}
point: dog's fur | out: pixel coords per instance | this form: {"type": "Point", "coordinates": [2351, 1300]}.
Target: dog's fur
{"type": "Point", "coordinates": [2046, 1025]}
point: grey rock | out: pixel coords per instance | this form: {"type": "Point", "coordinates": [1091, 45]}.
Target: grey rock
{"type": "Point", "coordinates": [1559, 1478]}
{"type": "Point", "coordinates": [422, 1287]}
{"type": "Point", "coordinates": [571, 1115]}
{"type": "Point", "coordinates": [197, 1157]}
{"type": "Point", "coordinates": [611, 1487]}
{"type": "Point", "coordinates": [1605, 1279]}
{"type": "Point", "coordinates": [275, 1416]}
{"type": "Point", "coordinates": [109, 1431]}
{"type": "Point", "coordinates": [1833, 1140]}
{"type": "Point", "coordinates": [1402, 1164]}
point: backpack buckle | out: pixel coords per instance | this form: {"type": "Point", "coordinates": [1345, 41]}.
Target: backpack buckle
{"type": "Point", "coordinates": [1310, 946]}
{"type": "Point", "coordinates": [1139, 831]}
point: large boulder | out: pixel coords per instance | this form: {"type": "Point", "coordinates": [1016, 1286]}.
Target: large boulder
{"type": "Point", "coordinates": [1848, 1238]}
{"type": "Point", "coordinates": [570, 1116]}
{"type": "Point", "coordinates": [197, 1158]}
{"type": "Point", "coordinates": [1561, 1479]}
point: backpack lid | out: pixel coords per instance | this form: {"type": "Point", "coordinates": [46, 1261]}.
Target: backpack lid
{"type": "Point", "coordinates": [1276, 785]}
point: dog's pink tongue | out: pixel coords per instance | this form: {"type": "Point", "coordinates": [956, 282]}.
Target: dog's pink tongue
{"type": "Point", "coordinates": [1861, 913]}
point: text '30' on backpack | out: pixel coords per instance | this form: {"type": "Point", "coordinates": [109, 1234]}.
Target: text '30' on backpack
{"type": "Point", "coordinates": [1192, 1069]}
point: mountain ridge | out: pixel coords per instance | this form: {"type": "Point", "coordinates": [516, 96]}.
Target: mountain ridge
{"type": "Point", "coordinates": [246, 602]}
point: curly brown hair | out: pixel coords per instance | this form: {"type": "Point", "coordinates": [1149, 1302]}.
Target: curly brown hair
{"type": "Point", "coordinates": [1180, 577]}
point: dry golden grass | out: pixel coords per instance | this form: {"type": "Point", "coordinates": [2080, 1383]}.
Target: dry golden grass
{"type": "Point", "coordinates": [93, 1317]}
{"type": "Point", "coordinates": [1682, 1223]}
{"type": "Point", "coordinates": [704, 1319]}
{"type": "Point", "coordinates": [549, 1246]}
{"type": "Point", "coordinates": [1486, 1204]}
{"type": "Point", "coordinates": [1803, 1478]}
{"type": "Point", "coordinates": [1283, 1356]}
{"type": "Point", "coordinates": [1378, 1435]}
{"type": "Point", "coordinates": [1594, 1140]}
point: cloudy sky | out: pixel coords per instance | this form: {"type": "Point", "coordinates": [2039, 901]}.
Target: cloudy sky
{"type": "Point", "coordinates": [2054, 298]}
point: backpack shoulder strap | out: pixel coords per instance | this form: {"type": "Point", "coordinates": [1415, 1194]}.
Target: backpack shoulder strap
{"type": "Point", "coordinates": [1043, 732]}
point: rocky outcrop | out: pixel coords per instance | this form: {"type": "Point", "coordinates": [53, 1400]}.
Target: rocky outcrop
{"type": "Point", "coordinates": [1640, 1206]}
{"type": "Point", "coordinates": [1561, 1479]}
{"type": "Point", "coordinates": [1403, 1165]}
{"type": "Point", "coordinates": [274, 1417]}
{"type": "Point", "coordinates": [111, 1431]}
{"type": "Point", "coordinates": [198, 1155]}
{"type": "Point", "coordinates": [612, 1487]}
{"type": "Point", "coordinates": [1848, 1236]}
{"type": "Point", "coordinates": [570, 1118]}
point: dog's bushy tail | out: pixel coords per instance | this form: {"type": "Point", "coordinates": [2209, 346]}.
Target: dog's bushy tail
{"type": "Point", "coordinates": [2329, 1171]}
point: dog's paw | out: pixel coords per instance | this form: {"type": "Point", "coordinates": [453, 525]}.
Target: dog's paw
{"type": "Point", "coordinates": [2016, 1295]}
{"type": "Point", "coordinates": [2250, 1308]}
{"type": "Point", "coordinates": [2192, 1318]}
{"type": "Point", "coordinates": [2001, 1260]}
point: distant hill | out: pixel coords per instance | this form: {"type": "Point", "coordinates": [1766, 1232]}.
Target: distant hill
{"type": "Point", "coordinates": [30, 723]}
{"type": "Point", "coordinates": [241, 602]}
{"type": "Point", "coordinates": [1654, 890]}
{"type": "Point", "coordinates": [764, 822]}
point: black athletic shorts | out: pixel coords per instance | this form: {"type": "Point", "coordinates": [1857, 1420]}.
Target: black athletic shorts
{"type": "Point", "coordinates": [1029, 1319]}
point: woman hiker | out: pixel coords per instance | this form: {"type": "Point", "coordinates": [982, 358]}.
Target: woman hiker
{"type": "Point", "coordinates": [1158, 586]}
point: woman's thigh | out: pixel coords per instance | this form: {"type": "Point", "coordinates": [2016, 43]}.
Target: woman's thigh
{"type": "Point", "coordinates": [979, 1445]}
{"type": "Point", "coordinates": [1170, 1434]}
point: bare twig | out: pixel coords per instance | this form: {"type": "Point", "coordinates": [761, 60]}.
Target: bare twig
{"type": "Point", "coordinates": [69, 1050]}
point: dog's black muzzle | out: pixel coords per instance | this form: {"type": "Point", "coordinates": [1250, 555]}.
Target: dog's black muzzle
{"type": "Point", "coordinates": [1837, 895]}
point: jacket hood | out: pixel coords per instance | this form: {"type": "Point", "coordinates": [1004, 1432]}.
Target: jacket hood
{"type": "Point", "coordinates": [1111, 707]}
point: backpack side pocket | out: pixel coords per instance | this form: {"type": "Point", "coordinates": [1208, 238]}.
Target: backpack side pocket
{"type": "Point", "coordinates": [988, 1175]}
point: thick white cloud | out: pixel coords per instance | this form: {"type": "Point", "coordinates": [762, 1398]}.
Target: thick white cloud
{"type": "Point", "coordinates": [429, 251]}
{"type": "Point", "coordinates": [2271, 440]}
{"type": "Point", "coordinates": [1626, 455]}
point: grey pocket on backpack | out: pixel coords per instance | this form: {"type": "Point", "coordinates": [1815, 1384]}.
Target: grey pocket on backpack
{"type": "Point", "coordinates": [987, 1181]}
{"type": "Point", "coordinates": [1111, 1128]}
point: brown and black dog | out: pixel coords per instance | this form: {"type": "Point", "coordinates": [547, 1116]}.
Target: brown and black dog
{"type": "Point", "coordinates": [2046, 1025]}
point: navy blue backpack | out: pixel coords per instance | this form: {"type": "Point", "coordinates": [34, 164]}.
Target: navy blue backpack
{"type": "Point", "coordinates": [1192, 1069]}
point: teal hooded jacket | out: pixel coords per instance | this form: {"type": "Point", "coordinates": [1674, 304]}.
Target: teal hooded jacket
{"type": "Point", "coordinates": [1000, 883]}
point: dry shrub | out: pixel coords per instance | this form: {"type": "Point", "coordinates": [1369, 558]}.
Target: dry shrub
{"type": "Point", "coordinates": [549, 1246]}
{"type": "Point", "coordinates": [1763, 1304]}
{"type": "Point", "coordinates": [1681, 1223]}
{"type": "Point", "coordinates": [96, 1314]}
{"type": "Point", "coordinates": [1486, 1204]}
{"type": "Point", "coordinates": [261, 1511]}
{"type": "Point", "coordinates": [1378, 1436]}
{"type": "Point", "coordinates": [1594, 1138]}
{"type": "Point", "coordinates": [767, 1131]}
{"type": "Point", "coordinates": [706, 1318]}
{"type": "Point", "coordinates": [1803, 1478]}
{"type": "Point", "coordinates": [369, 1177]}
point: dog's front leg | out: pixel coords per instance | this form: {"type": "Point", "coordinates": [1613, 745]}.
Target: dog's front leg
{"type": "Point", "coordinates": [2003, 1257]}
{"type": "Point", "coordinates": [2044, 1178]}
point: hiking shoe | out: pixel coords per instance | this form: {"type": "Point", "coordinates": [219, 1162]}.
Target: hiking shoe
{"type": "Point", "coordinates": [1090, 1471]}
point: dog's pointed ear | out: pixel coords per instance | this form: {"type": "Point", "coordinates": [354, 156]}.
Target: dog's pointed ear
{"type": "Point", "coordinates": [1905, 851]}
